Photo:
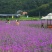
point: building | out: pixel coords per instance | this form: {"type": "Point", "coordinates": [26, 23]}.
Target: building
{"type": "Point", "coordinates": [49, 20]}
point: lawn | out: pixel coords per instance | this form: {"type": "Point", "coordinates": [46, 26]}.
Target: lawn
{"type": "Point", "coordinates": [22, 18]}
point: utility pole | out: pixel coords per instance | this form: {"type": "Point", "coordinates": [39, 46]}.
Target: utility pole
{"type": "Point", "coordinates": [39, 14]}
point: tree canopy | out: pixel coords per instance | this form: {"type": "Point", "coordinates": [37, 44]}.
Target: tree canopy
{"type": "Point", "coordinates": [33, 7]}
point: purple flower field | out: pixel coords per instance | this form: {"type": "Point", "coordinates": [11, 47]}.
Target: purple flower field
{"type": "Point", "coordinates": [28, 36]}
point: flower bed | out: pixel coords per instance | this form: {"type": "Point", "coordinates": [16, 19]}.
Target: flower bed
{"type": "Point", "coordinates": [24, 38]}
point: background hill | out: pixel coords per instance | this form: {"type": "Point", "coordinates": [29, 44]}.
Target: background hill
{"type": "Point", "coordinates": [33, 7]}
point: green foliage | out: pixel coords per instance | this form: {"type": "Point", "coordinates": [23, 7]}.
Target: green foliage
{"type": "Point", "coordinates": [32, 6]}
{"type": "Point", "coordinates": [43, 10]}
{"type": "Point", "coordinates": [51, 45]}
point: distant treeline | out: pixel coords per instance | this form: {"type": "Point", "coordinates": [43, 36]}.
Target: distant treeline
{"type": "Point", "coordinates": [41, 10]}
{"type": "Point", "coordinates": [33, 7]}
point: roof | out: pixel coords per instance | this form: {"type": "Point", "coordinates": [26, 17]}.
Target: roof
{"type": "Point", "coordinates": [49, 16]}
{"type": "Point", "coordinates": [9, 14]}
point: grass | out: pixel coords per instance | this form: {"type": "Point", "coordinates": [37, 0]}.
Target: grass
{"type": "Point", "coordinates": [20, 18]}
